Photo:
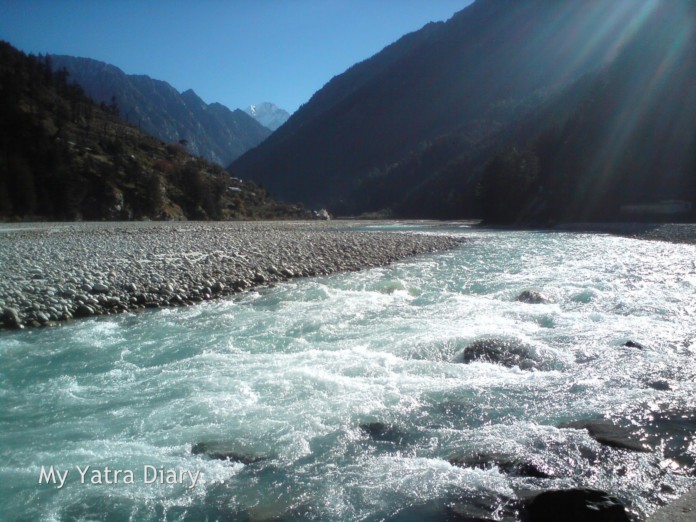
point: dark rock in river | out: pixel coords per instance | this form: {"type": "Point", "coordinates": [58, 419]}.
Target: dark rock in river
{"type": "Point", "coordinates": [458, 509]}
{"type": "Point", "coordinates": [497, 351]}
{"type": "Point", "coordinates": [674, 432]}
{"type": "Point", "coordinates": [509, 465]}
{"type": "Point", "coordinates": [533, 297]}
{"type": "Point", "coordinates": [383, 432]}
{"type": "Point", "coordinates": [607, 433]}
{"type": "Point", "coordinates": [219, 451]}
{"type": "Point", "coordinates": [659, 385]}
{"type": "Point", "coordinates": [575, 505]}
{"type": "Point", "coordinates": [633, 344]}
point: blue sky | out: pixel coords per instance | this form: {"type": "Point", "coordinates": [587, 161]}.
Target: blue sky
{"type": "Point", "coordinates": [235, 52]}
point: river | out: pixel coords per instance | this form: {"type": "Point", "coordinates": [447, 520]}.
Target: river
{"type": "Point", "coordinates": [293, 379]}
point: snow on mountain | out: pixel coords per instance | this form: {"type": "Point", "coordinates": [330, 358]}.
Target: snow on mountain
{"type": "Point", "coordinates": [268, 114]}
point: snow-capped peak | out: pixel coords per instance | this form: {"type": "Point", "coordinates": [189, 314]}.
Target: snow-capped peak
{"type": "Point", "coordinates": [268, 114]}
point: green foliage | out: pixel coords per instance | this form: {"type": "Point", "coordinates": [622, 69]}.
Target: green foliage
{"type": "Point", "coordinates": [62, 157]}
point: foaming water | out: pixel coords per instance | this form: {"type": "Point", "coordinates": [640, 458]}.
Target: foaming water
{"type": "Point", "coordinates": [289, 376]}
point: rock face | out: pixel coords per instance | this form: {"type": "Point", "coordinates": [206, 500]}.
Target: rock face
{"type": "Point", "coordinates": [213, 131]}
{"type": "Point", "coordinates": [575, 505]}
{"type": "Point", "coordinates": [503, 352]}
{"type": "Point", "coordinates": [607, 433]}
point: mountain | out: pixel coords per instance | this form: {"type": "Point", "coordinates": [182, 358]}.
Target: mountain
{"type": "Point", "coordinates": [268, 114]}
{"type": "Point", "coordinates": [618, 144]}
{"type": "Point", "coordinates": [211, 131]}
{"type": "Point", "coordinates": [413, 128]}
{"type": "Point", "coordinates": [62, 157]}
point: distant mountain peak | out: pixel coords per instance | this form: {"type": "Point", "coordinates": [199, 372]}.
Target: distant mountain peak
{"type": "Point", "coordinates": [268, 114]}
{"type": "Point", "coordinates": [212, 131]}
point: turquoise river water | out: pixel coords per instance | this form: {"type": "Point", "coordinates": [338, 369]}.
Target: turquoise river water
{"type": "Point", "coordinates": [284, 377]}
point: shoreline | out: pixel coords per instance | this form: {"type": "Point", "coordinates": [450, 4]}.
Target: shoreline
{"type": "Point", "coordinates": [59, 271]}
{"type": "Point", "coordinates": [669, 232]}
{"type": "Point", "coordinates": [682, 509]}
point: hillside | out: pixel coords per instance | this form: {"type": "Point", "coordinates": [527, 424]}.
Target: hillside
{"type": "Point", "coordinates": [412, 129]}
{"type": "Point", "coordinates": [64, 158]}
{"type": "Point", "coordinates": [211, 130]}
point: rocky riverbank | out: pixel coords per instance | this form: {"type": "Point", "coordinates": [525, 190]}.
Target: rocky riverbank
{"type": "Point", "coordinates": [56, 272]}
{"type": "Point", "coordinates": [672, 232]}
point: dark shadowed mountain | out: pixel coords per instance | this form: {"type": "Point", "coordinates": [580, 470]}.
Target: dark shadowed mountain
{"type": "Point", "coordinates": [211, 131]}
{"type": "Point", "coordinates": [413, 128]}
{"type": "Point", "coordinates": [62, 157]}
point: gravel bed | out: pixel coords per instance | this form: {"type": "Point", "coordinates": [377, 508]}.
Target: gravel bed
{"type": "Point", "coordinates": [57, 272]}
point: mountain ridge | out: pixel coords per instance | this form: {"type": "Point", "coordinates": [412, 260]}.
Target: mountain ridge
{"type": "Point", "coordinates": [63, 157]}
{"type": "Point", "coordinates": [219, 134]}
{"type": "Point", "coordinates": [467, 79]}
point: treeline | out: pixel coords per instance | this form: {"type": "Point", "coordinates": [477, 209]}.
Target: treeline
{"type": "Point", "coordinates": [34, 173]}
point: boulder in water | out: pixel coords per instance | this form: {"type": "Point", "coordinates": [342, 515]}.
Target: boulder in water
{"type": "Point", "coordinates": [575, 505]}
{"type": "Point", "coordinates": [633, 344]}
{"type": "Point", "coordinates": [498, 351]}
{"type": "Point", "coordinates": [219, 451]}
{"type": "Point", "coordinates": [534, 297]}
{"type": "Point", "coordinates": [383, 432]}
{"type": "Point", "coordinates": [511, 466]}
{"type": "Point", "coordinates": [457, 508]}
{"type": "Point", "coordinates": [609, 434]}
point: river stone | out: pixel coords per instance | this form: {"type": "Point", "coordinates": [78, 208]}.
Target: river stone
{"type": "Point", "coordinates": [83, 310]}
{"type": "Point", "coordinates": [533, 297]}
{"type": "Point", "coordinates": [609, 434]}
{"type": "Point", "coordinates": [220, 451]}
{"type": "Point", "coordinates": [99, 288]}
{"type": "Point", "coordinates": [575, 505]}
{"type": "Point", "coordinates": [633, 344]}
{"type": "Point", "coordinates": [383, 432]}
{"type": "Point", "coordinates": [509, 465]}
{"type": "Point", "coordinates": [479, 507]}
{"type": "Point", "coordinates": [498, 351]}
{"type": "Point", "coordinates": [11, 318]}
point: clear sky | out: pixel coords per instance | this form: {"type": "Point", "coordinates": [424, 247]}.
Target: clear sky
{"type": "Point", "coordinates": [236, 52]}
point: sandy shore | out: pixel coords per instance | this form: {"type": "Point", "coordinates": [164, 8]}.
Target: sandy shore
{"type": "Point", "coordinates": [56, 272]}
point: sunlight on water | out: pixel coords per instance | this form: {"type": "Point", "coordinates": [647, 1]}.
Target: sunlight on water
{"type": "Point", "coordinates": [285, 376]}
